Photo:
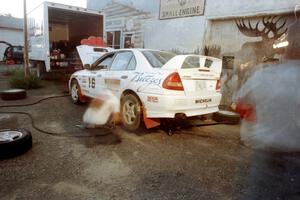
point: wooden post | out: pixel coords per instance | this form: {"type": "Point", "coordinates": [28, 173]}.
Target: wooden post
{"type": "Point", "coordinates": [26, 61]}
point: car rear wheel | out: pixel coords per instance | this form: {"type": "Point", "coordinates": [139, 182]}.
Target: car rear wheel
{"type": "Point", "coordinates": [76, 92]}
{"type": "Point", "coordinates": [131, 112]}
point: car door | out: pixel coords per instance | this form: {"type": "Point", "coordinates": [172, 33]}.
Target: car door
{"type": "Point", "coordinates": [122, 68]}
{"type": "Point", "coordinates": [87, 81]}
{"type": "Point", "coordinates": [96, 76]}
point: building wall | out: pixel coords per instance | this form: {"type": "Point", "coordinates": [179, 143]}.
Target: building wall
{"type": "Point", "coordinates": [182, 35]}
{"type": "Point", "coordinates": [192, 33]}
{"type": "Point", "coordinates": [14, 37]}
{"type": "Point", "coordinates": [145, 5]}
{"type": "Point", "coordinates": [222, 8]}
{"type": "Point", "coordinates": [128, 21]}
{"type": "Point", "coordinates": [213, 7]}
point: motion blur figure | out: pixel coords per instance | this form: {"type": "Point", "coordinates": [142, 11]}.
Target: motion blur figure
{"type": "Point", "coordinates": [103, 110]}
{"type": "Point", "coordinates": [269, 101]}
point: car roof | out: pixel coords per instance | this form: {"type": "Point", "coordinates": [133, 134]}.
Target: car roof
{"type": "Point", "coordinates": [137, 49]}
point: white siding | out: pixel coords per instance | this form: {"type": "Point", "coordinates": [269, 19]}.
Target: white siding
{"type": "Point", "coordinates": [222, 8]}
{"type": "Point", "coordinates": [189, 34]}
{"type": "Point", "coordinates": [183, 34]}
{"type": "Point", "coordinates": [130, 19]}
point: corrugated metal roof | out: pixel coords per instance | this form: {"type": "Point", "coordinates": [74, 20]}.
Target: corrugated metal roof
{"type": "Point", "coordinates": [11, 22]}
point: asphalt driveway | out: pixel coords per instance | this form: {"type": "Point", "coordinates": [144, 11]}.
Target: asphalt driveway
{"type": "Point", "coordinates": [206, 162]}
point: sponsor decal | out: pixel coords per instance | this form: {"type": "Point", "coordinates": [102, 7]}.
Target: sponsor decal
{"type": "Point", "coordinates": [152, 99]}
{"type": "Point", "coordinates": [203, 101]}
{"type": "Point", "coordinates": [149, 78]}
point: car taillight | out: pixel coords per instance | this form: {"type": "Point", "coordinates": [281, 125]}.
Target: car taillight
{"type": "Point", "coordinates": [218, 85]}
{"type": "Point", "coordinates": [173, 82]}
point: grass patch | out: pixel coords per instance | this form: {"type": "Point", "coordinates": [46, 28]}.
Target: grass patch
{"type": "Point", "coordinates": [18, 80]}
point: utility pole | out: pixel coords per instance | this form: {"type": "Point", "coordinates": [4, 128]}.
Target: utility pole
{"type": "Point", "coordinates": [26, 61]}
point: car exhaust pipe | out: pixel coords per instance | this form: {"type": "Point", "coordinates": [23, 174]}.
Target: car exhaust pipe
{"type": "Point", "coordinates": [180, 116]}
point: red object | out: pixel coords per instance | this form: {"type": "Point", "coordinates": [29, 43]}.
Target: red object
{"type": "Point", "coordinates": [246, 111]}
{"type": "Point", "coordinates": [151, 123]}
{"type": "Point", "coordinates": [173, 82]}
{"type": "Point", "coordinates": [93, 41]}
{"type": "Point", "coordinates": [10, 62]}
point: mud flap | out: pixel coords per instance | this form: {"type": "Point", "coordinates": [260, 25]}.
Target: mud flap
{"type": "Point", "coordinates": [151, 122]}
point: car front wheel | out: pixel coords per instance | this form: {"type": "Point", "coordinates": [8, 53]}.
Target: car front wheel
{"type": "Point", "coordinates": [131, 112]}
{"type": "Point", "coordinates": [75, 92]}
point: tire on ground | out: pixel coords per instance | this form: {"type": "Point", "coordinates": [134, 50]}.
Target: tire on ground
{"type": "Point", "coordinates": [13, 94]}
{"type": "Point", "coordinates": [226, 116]}
{"type": "Point", "coordinates": [134, 101]}
{"type": "Point", "coordinates": [17, 146]}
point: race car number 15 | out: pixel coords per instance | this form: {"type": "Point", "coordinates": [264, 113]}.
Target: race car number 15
{"type": "Point", "coordinates": [92, 82]}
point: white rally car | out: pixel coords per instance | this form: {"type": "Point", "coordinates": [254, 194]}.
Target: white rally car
{"type": "Point", "coordinates": [152, 84]}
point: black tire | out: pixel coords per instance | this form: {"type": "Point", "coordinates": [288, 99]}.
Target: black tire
{"type": "Point", "coordinates": [227, 117]}
{"type": "Point", "coordinates": [131, 112]}
{"type": "Point", "coordinates": [13, 94]}
{"type": "Point", "coordinates": [21, 143]}
{"type": "Point", "coordinates": [76, 99]}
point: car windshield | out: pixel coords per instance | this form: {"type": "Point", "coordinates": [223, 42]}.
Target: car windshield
{"type": "Point", "coordinates": [158, 58]}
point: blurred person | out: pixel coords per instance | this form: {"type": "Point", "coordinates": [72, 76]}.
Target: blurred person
{"type": "Point", "coordinates": [269, 101]}
{"type": "Point", "coordinates": [102, 111]}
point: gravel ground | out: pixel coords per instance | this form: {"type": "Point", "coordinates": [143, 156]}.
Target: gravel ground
{"type": "Point", "coordinates": [195, 163]}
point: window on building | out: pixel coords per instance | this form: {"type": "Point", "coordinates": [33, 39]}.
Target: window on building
{"type": "Point", "coordinates": [128, 41]}
{"type": "Point", "coordinates": [114, 39]}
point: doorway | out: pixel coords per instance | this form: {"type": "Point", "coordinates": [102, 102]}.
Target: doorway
{"type": "Point", "coordinates": [114, 39]}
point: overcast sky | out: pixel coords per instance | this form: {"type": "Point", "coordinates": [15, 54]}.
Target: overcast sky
{"type": "Point", "coordinates": [15, 7]}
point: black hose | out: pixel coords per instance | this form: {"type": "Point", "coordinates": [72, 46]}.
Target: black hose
{"type": "Point", "coordinates": [39, 129]}
{"type": "Point", "coordinates": [34, 103]}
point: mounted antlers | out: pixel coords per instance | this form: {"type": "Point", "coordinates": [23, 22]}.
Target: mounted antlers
{"type": "Point", "coordinates": [270, 26]}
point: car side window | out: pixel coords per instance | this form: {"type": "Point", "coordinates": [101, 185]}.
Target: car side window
{"type": "Point", "coordinates": [132, 64]}
{"type": "Point", "coordinates": [121, 61]}
{"type": "Point", "coordinates": [105, 62]}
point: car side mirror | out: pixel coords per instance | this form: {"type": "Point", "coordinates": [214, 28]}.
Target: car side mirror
{"type": "Point", "coordinates": [87, 66]}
